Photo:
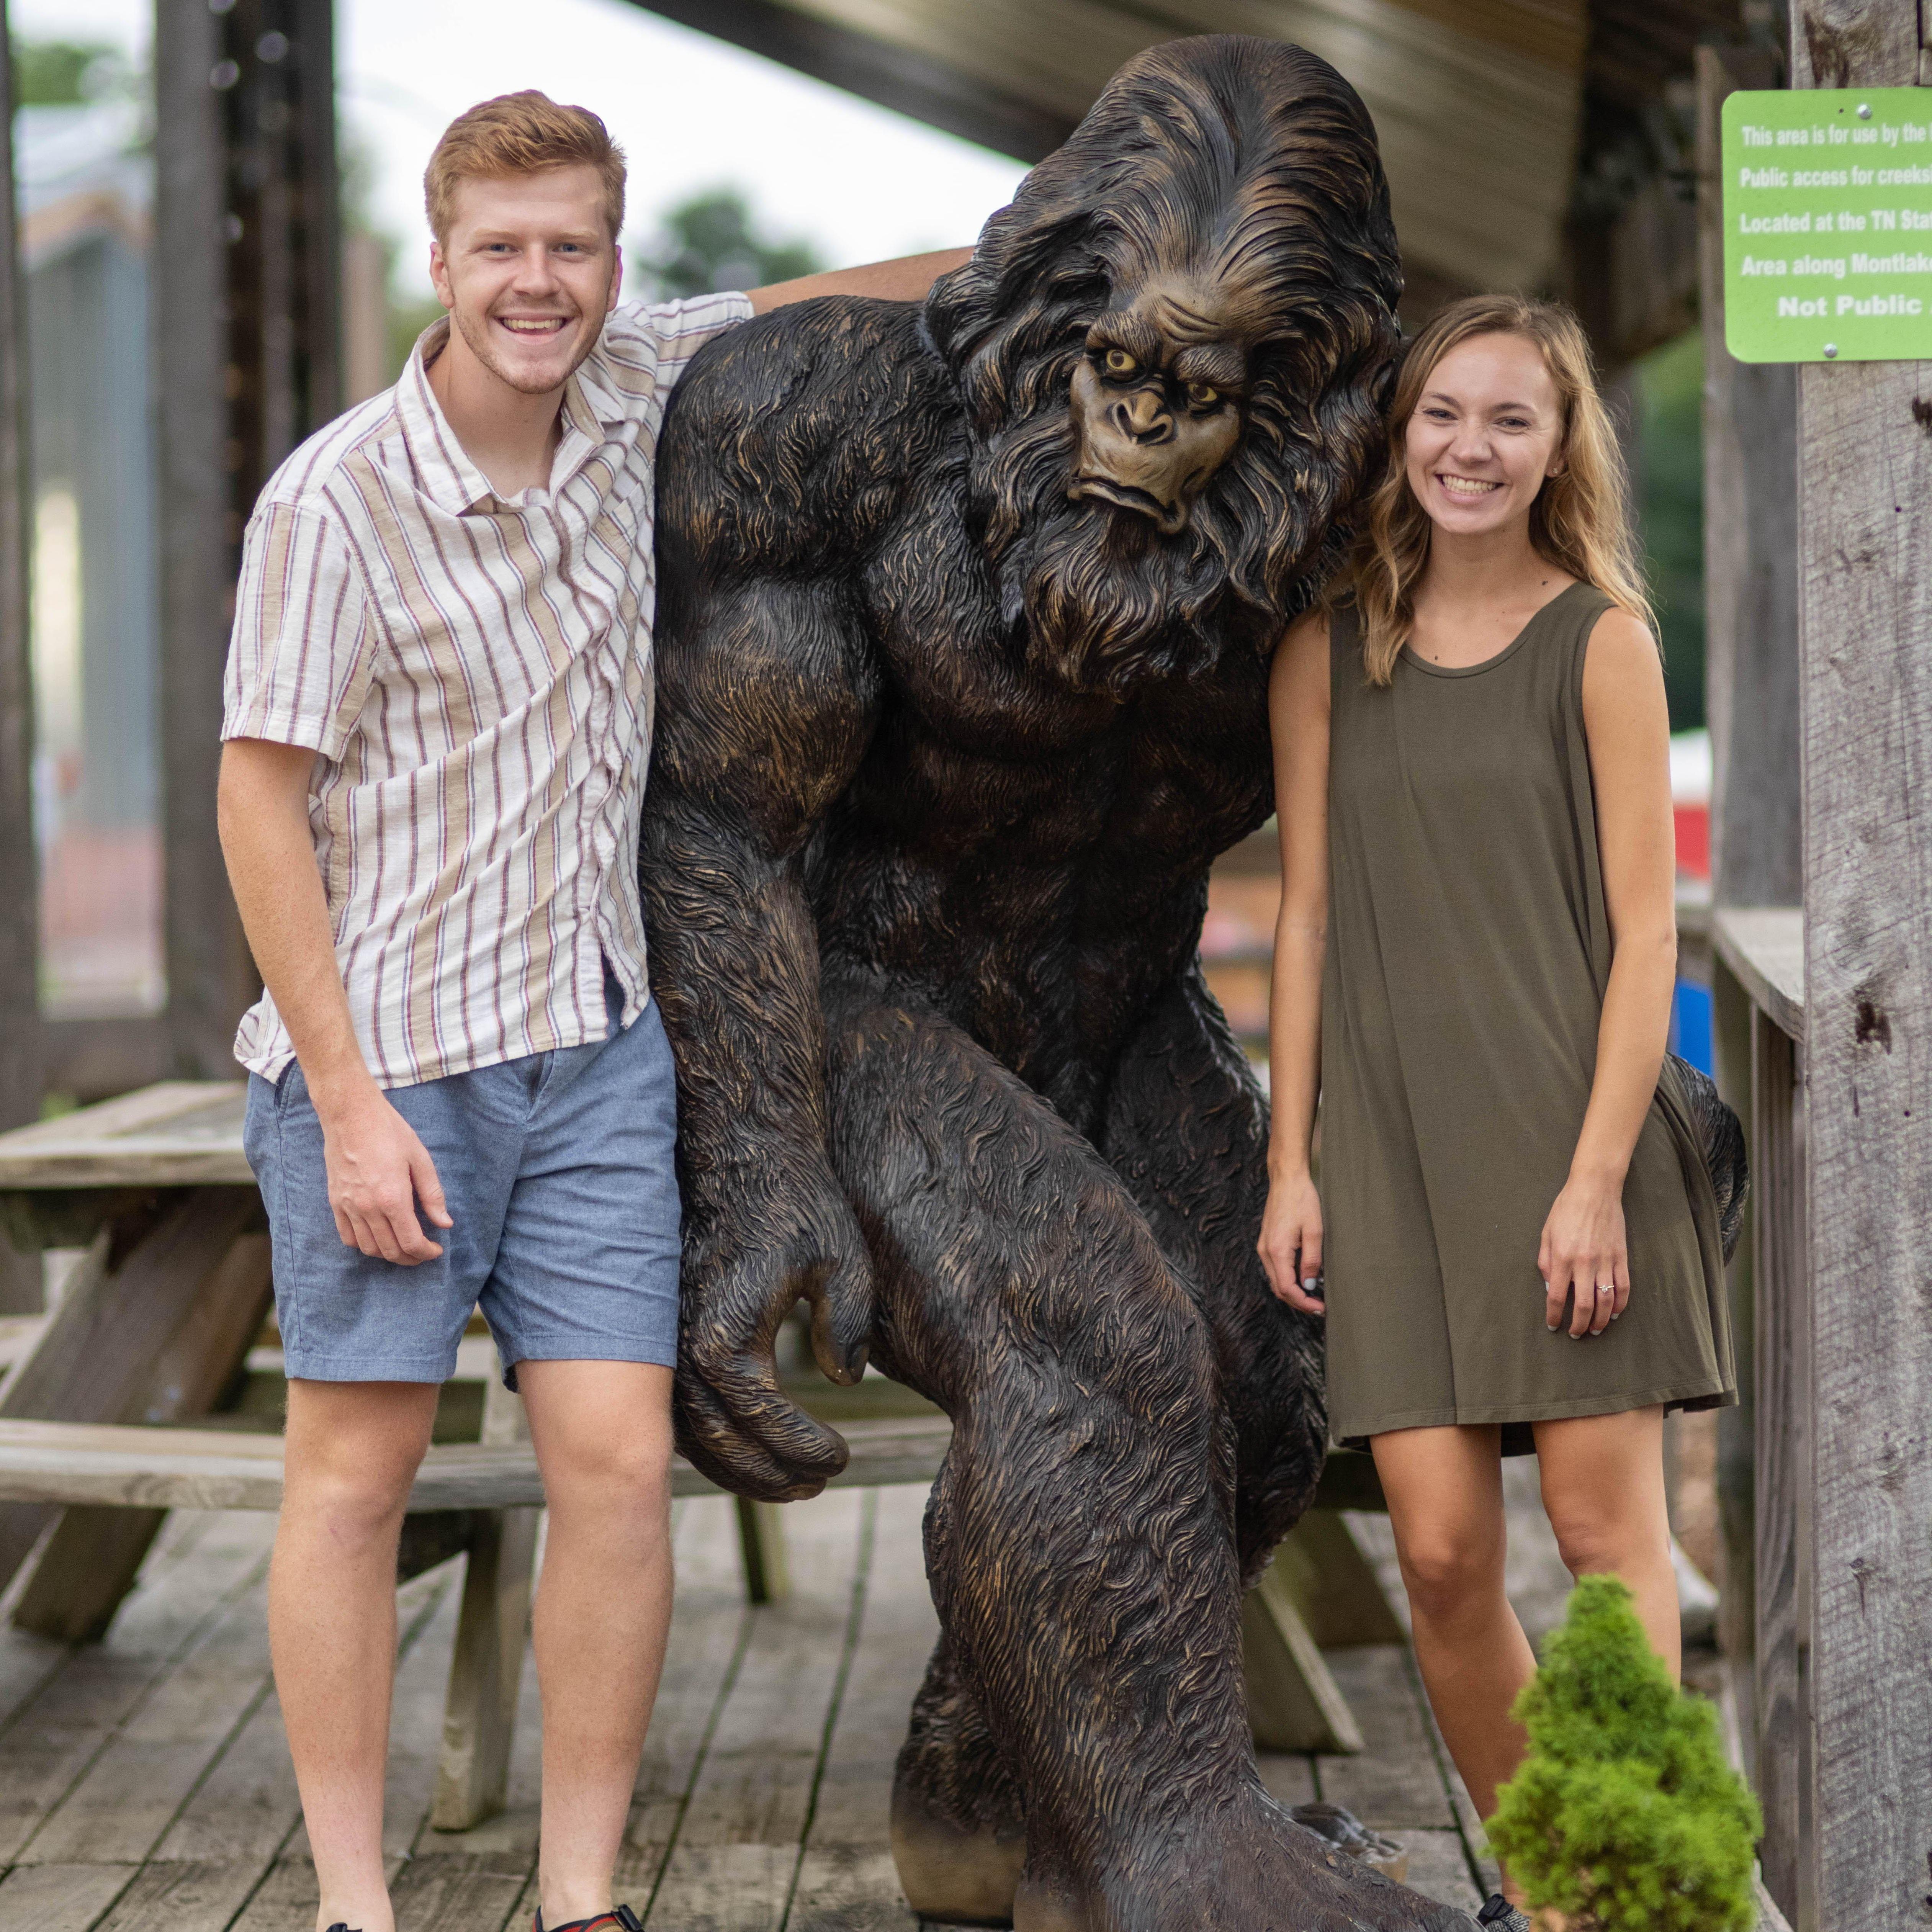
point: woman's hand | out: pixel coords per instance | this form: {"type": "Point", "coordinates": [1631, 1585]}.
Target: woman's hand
{"type": "Point", "coordinates": [1584, 1248]}
{"type": "Point", "coordinates": [1291, 1243]}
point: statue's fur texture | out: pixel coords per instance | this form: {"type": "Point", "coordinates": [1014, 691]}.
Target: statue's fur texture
{"type": "Point", "coordinates": [963, 636]}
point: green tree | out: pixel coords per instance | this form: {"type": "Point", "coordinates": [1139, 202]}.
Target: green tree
{"type": "Point", "coordinates": [1670, 514]}
{"type": "Point", "coordinates": [713, 241]}
{"type": "Point", "coordinates": [64, 73]}
{"type": "Point", "coordinates": [1624, 1816]}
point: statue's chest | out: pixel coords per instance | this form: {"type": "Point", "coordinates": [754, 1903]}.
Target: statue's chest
{"type": "Point", "coordinates": [960, 692]}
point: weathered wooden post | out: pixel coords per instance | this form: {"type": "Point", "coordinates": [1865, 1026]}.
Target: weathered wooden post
{"type": "Point", "coordinates": [246, 346]}
{"type": "Point", "coordinates": [1751, 604]}
{"type": "Point", "coordinates": [1865, 655]}
{"type": "Point", "coordinates": [20, 881]}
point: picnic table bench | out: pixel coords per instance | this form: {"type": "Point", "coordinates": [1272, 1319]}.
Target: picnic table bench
{"type": "Point", "coordinates": [156, 1323]}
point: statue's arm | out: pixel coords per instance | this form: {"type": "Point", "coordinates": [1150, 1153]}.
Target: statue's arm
{"type": "Point", "coordinates": [767, 694]}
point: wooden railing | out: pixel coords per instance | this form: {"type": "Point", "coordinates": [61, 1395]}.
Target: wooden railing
{"type": "Point", "coordinates": [1764, 1445]}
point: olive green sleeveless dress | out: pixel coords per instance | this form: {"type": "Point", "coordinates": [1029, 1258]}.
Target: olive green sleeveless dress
{"type": "Point", "coordinates": [1468, 952]}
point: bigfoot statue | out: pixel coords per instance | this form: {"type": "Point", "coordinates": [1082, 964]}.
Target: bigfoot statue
{"type": "Point", "coordinates": [963, 656]}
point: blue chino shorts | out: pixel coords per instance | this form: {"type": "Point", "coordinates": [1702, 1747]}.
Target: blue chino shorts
{"type": "Point", "coordinates": [558, 1171]}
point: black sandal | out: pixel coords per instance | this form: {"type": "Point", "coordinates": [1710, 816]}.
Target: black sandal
{"type": "Point", "coordinates": [1497, 1911]}
{"type": "Point", "coordinates": [622, 1917]}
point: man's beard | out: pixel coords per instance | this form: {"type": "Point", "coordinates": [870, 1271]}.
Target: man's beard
{"type": "Point", "coordinates": [484, 350]}
{"type": "Point", "coordinates": [1107, 602]}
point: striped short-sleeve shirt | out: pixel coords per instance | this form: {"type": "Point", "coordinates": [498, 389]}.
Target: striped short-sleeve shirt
{"type": "Point", "coordinates": [475, 677]}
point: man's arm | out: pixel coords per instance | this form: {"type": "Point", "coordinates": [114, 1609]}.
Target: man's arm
{"type": "Point", "coordinates": [907, 279]}
{"type": "Point", "coordinates": [378, 1169]}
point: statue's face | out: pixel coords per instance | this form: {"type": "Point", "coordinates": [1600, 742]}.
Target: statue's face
{"type": "Point", "coordinates": [1157, 400]}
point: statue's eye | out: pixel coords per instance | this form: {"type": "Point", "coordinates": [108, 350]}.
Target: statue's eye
{"type": "Point", "coordinates": [1203, 395]}
{"type": "Point", "coordinates": [1118, 363]}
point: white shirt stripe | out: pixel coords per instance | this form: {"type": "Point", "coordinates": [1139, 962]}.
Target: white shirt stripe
{"type": "Point", "coordinates": [475, 676]}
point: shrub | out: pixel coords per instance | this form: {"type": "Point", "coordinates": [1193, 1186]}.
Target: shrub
{"type": "Point", "coordinates": [1624, 1816]}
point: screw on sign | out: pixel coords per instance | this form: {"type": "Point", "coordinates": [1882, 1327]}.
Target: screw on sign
{"type": "Point", "coordinates": [1828, 225]}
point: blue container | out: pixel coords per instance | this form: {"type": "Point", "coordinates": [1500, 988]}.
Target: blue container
{"type": "Point", "coordinates": [1690, 1026]}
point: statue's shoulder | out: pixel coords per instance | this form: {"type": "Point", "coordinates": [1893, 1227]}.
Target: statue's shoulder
{"type": "Point", "coordinates": [806, 423]}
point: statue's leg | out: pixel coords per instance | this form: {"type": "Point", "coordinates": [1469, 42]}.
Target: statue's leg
{"type": "Point", "coordinates": [1080, 1538]}
{"type": "Point", "coordinates": [959, 1825]}
{"type": "Point", "coordinates": [1185, 1128]}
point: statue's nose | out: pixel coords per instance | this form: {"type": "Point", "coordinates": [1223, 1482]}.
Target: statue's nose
{"type": "Point", "coordinates": [1143, 417]}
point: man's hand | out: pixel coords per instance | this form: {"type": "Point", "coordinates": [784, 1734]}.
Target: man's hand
{"type": "Point", "coordinates": [378, 1172]}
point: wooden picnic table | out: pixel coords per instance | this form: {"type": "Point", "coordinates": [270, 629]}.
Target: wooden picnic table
{"type": "Point", "coordinates": [156, 1324]}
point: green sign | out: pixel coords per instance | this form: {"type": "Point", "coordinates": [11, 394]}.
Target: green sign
{"type": "Point", "coordinates": [1828, 225]}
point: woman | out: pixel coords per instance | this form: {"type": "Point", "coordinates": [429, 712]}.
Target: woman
{"type": "Point", "coordinates": [1514, 1242]}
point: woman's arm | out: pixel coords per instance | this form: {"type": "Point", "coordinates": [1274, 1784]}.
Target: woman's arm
{"type": "Point", "coordinates": [1627, 724]}
{"type": "Point", "coordinates": [1291, 1241]}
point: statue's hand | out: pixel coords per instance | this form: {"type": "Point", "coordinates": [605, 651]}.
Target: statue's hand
{"type": "Point", "coordinates": [743, 1276]}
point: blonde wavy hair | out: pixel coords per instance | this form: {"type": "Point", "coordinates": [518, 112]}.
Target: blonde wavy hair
{"type": "Point", "coordinates": [1580, 520]}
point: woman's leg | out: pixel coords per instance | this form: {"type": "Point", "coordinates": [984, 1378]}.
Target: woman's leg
{"type": "Point", "coordinates": [1445, 1497]}
{"type": "Point", "coordinates": [1602, 1489]}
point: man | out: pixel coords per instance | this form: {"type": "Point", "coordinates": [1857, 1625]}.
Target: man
{"type": "Point", "coordinates": [438, 720]}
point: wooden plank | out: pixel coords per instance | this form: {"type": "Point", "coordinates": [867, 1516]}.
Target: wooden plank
{"type": "Point", "coordinates": [761, 1549]}
{"type": "Point", "coordinates": [246, 1809]}
{"type": "Point", "coordinates": [20, 1069]}
{"type": "Point", "coordinates": [732, 1866]}
{"type": "Point", "coordinates": [1393, 1784]}
{"type": "Point", "coordinates": [1781, 1382]}
{"type": "Point", "coordinates": [1293, 1702]}
{"type": "Point", "coordinates": [89, 1562]}
{"type": "Point", "coordinates": [458, 1891]}
{"type": "Point", "coordinates": [1438, 1867]}
{"type": "Point", "coordinates": [122, 1806]}
{"type": "Point", "coordinates": [1333, 1585]}
{"type": "Point", "coordinates": [178, 1468]}
{"type": "Point", "coordinates": [284, 1901]}
{"type": "Point", "coordinates": [1865, 627]}
{"type": "Point", "coordinates": [184, 1896]}
{"type": "Point", "coordinates": [847, 1878]}
{"type": "Point", "coordinates": [59, 1898]}
{"type": "Point", "coordinates": [206, 1109]}
{"type": "Point", "coordinates": [1764, 947]}
{"type": "Point", "coordinates": [710, 1627]}
{"type": "Point", "coordinates": [1750, 552]}
{"type": "Point", "coordinates": [1289, 1776]}
{"type": "Point", "coordinates": [61, 1731]}
{"type": "Point", "coordinates": [1732, 1014]}
{"type": "Point", "coordinates": [119, 1315]}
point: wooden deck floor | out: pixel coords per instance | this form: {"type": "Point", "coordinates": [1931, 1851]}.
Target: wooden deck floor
{"type": "Point", "coordinates": [144, 1782]}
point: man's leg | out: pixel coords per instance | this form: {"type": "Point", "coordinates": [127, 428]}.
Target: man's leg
{"type": "Point", "coordinates": [352, 1450]}
{"type": "Point", "coordinates": [603, 1439]}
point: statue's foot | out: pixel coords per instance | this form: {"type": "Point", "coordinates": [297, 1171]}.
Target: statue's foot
{"type": "Point", "coordinates": [957, 1876]}
{"type": "Point", "coordinates": [1253, 1871]}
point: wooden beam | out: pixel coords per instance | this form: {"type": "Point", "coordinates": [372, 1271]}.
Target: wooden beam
{"type": "Point", "coordinates": [131, 1339]}
{"type": "Point", "coordinates": [19, 876]}
{"type": "Point", "coordinates": [898, 77]}
{"type": "Point", "coordinates": [1865, 663]}
{"type": "Point", "coordinates": [247, 313]}
{"type": "Point", "coordinates": [208, 970]}
{"type": "Point", "coordinates": [225, 1468]}
{"type": "Point", "coordinates": [1293, 1703]}
{"type": "Point", "coordinates": [1751, 554]}
{"type": "Point", "coordinates": [1784, 1633]}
